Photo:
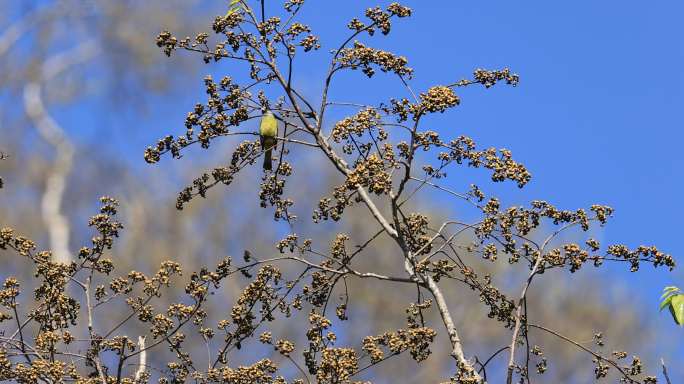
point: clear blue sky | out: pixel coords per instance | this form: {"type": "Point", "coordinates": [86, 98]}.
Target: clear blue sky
{"type": "Point", "coordinates": [597, 117]}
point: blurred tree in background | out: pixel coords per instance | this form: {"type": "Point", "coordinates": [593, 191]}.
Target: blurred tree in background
{"type": "Point", "coordinates": [57, 57]}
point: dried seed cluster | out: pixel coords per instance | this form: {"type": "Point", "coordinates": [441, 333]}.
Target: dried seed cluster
{"type": "Point", "coordinates": [364, 58]}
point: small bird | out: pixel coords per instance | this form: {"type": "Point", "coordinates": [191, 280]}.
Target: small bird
{"type": "Point", "coordinates": [268, 130]}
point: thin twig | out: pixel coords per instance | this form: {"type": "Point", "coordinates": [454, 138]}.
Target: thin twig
{"type": "Point", "coordinates": [585, 349]}
{"type": "Point", "coordinates": [667, 377]}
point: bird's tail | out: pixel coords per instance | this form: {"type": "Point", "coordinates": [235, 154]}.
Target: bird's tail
{"type": "Point", "coordinates": [267, 160]}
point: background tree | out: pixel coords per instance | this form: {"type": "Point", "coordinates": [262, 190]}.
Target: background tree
{"type": "Point", "coordinates": [190, 245]}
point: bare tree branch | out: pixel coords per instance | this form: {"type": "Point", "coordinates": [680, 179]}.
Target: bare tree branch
{"type": "Point", "coordinates": [16, 30]}
{"type": "Point", "coordinates": [143, 358]}
{"type": "Point", "coordinates": [52, 132]}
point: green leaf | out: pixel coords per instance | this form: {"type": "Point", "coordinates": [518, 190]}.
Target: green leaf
{"type": "Point", "coordinates": [665, 302]}
{"type": "Point", "coordinates": [668, 293]}
{"type": "Point", "coordinates": [234, 6]}
{"type": "Point", "coordinates": [670, 289]}
{"type": "Point", "coordinates": [677, 309]}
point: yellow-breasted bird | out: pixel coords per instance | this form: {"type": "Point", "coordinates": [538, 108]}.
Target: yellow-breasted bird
{"type": "Point", "coordinates": [268, 130]}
